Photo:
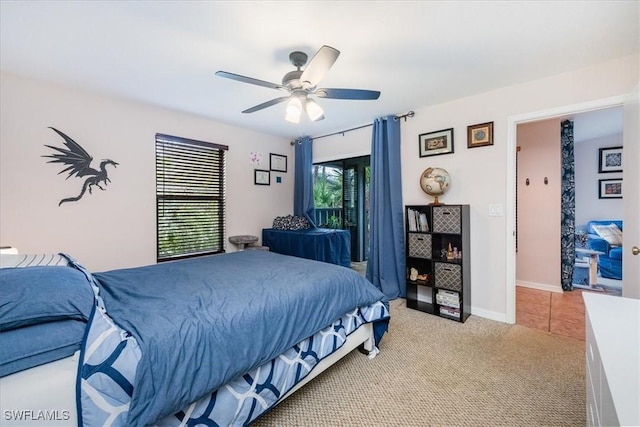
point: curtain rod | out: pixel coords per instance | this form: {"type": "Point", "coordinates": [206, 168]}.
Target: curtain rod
{"type": "Point", "coordinates": [342, 132]}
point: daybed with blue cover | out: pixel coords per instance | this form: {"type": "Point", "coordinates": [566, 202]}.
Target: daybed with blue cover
{"type": "Point", "coordinates": [296, 236]}
{"type": "Point", "coordinates": [216, 340]}
{"type": "Point", "coordinates": [321, 244]}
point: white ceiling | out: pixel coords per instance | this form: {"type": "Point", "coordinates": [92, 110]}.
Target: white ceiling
{"type": "Point", "coordinates": [417, 53]}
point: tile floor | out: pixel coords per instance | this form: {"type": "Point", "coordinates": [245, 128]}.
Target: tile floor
{"type": "Point", "coordinates": [557, 313]}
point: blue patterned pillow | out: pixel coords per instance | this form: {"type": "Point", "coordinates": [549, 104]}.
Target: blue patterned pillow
{"type": "Point", "coordinates": [36, 295]}
{"type": "Point", "coordinates": [291, 222]}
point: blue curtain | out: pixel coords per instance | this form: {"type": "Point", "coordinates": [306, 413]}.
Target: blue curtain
{"type": "Point", "coordinates": [303, 181]}
{"type": "Point", "coordinates": [567, 207]}
{"type": "Point", "coordinates": [386, 261]}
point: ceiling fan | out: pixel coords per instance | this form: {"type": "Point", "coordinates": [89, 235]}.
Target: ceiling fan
{"type": "Point", "coordinates": [302, 84]}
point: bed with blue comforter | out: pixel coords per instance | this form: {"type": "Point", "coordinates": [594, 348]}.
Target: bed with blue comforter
{"type": "Point", "coordinates": [215, 340]}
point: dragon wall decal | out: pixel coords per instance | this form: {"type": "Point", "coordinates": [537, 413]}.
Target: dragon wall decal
{"type": "Point", "coordinates": [78, 163]}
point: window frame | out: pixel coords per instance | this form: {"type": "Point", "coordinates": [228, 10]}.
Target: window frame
{"type": "Point", "coordinates": [215, 192]}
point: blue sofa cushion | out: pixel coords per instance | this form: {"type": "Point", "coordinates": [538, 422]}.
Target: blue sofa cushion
{"type": "Point", "coordinates": [610, 263]}
{"type": "Point", "coordinates": [595, 243]}
{"type": "Point", "coordinates": [615, 253]}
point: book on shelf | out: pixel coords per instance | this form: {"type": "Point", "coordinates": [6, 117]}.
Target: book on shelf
{"type": "Point", "coordinates": [447, 300]}
{"type": "Point", "coordinates": [422, 221]}
{"type": "Point", "coordinates": [448, 303]}
{"type": "Point", "coordinates": [450, 312]}
{"type": "Point", "coordinates": [451, 294]}
{"type": "Point", "coordinates": [453, 316]}
{"type": "Point", "coordinates": [411, 219]}
{"type": "Point", "coordinates": [417, 221]}
{"type": "Point", "coordinates": [454, 297]}
{"type": "Point", "coordinates": [452, 306]}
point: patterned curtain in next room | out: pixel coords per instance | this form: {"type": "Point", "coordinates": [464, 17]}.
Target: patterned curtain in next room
{"type": "Point", "coordinates": [567, 206]}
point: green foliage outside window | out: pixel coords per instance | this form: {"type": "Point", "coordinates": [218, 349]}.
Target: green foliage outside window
{"type": "Point", "coordinates": [327, 187]}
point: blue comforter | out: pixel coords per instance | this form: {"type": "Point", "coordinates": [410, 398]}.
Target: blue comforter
{"type": "Point", "coordinates": [200, 323]}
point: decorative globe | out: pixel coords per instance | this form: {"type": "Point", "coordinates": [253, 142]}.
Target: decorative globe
{"type": "Point", "coordinates": [435, 182]}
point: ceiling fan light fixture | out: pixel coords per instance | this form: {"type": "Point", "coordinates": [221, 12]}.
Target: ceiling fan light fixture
{"type": "Point", "coordinates": [300, 84]}
{"type": "Point", "coordinates": [294, 110]}
{"type": "Point", "coordinates": [314, 110]}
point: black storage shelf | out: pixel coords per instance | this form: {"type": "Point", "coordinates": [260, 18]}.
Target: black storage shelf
{"type": "Point", "coordinates": [429, 230]}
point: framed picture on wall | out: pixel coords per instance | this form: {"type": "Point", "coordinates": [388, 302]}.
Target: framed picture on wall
{"type": "Point", "coordinates": [261, 177]}
{"type": "Point", "coordinates": [610, 189]}
{"type": "Point", "coordinates": [610, 160]}
{"type": "Point", "coordinates": [480, 135]}
{"type": "Point", "coordinates": [434, 143]}
{"type": "Point", "coordinates": [277, 162]}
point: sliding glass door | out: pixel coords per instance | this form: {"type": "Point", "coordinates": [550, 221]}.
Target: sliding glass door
{"type": "Point", "coordinates": [341, 197]}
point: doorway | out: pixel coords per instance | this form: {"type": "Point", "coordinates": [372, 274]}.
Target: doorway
{"type": "Point", "coordinates": [539, 182]}
{"type": "Point", "coordinates": [512, 123]}
{"type": "Point", "coordinates": [341, 198]}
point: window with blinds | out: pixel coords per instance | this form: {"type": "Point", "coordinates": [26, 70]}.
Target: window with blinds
{"type": "Point", "coordinates": [190, 197]}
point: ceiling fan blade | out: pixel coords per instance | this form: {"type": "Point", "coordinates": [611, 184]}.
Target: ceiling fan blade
{"type": "Point", "coordinates": [249, 80]}
{"type": "Point", "coordinates": [266, 104]}
{"type": "Point", "coordinates": [359, 94]}
{"type": "Point", "coordinates": [318, 67]}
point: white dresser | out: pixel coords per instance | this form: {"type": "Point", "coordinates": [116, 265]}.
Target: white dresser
{"type": "Point", "coordinates": [613, 360]}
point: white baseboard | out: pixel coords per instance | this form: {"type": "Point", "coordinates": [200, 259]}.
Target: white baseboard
{"type": "Point", "coordinates": [488, 314]}
{"type": "Point", "coordinates": [540, 286]}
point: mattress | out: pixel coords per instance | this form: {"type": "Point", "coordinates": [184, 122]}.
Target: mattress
{"type": "Point", "coordinates": [41, 396]}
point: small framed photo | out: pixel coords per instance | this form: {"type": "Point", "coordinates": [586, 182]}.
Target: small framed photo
{"type": "Point", "coordinates": [480, 135]}
{"type": "Point", "coordinates": [261, 177]}
{"type": "Point", "coordinates": [277, 162]}
{"type": "Point", "coordinates": [610, 160]}
{"type": "Point", "coordinates": [610, 188]}
{"type": "Point", "coordinates": [434, 143]}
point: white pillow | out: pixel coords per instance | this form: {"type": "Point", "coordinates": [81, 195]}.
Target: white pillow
{"type": "Point", "coordinates": [32, 260]}
{"type": "Point", "coordinates": [611, 233]}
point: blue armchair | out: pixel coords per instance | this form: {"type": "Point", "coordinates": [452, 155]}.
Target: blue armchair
{"type": "Point", "coordinates": [609, 264]}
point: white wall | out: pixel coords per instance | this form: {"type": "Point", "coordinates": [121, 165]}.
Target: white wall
{"type": "Point", "coordinates": [588, 205]}
{"type": "Point", "coordinates": [343, 146]}
{"type": "Point", "coordinates": [538, 209]}
{"type": "Point", "coordinates": [114, 228]}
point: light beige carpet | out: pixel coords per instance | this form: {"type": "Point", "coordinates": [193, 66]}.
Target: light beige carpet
{"type": "Point", "coordinates": [436, 372]}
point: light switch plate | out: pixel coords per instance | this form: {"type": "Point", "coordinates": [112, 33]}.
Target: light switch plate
{"type": "Point", "coordinates": [495, 209]}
